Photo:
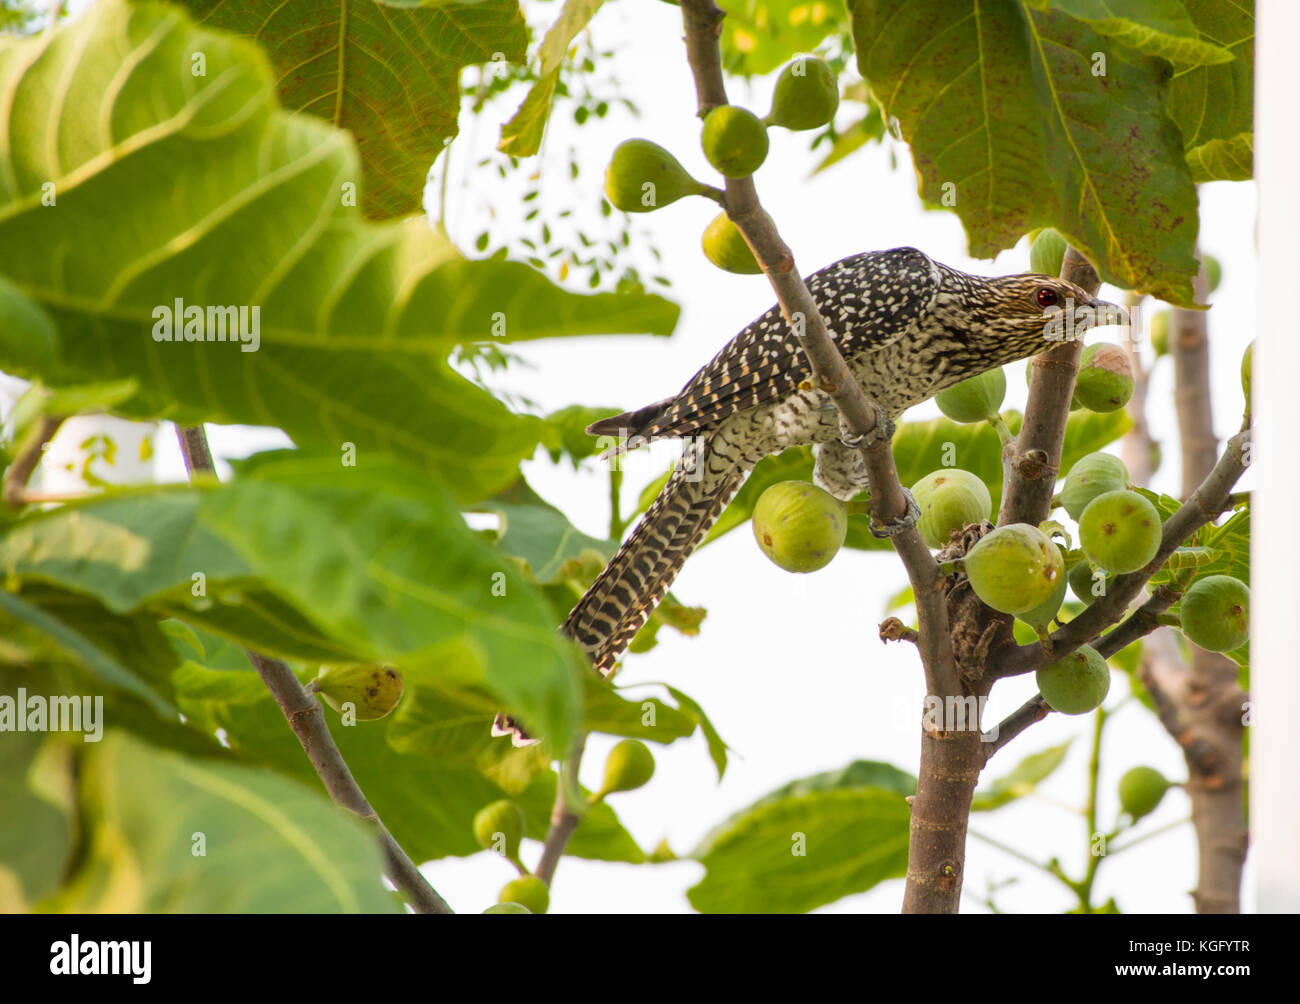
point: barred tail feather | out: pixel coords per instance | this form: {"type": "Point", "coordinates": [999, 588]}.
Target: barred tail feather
{"type": "Point", "coordinates": [623, 596]}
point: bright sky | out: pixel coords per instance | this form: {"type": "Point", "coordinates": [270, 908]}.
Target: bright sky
{"type": "Point", "coordinates": [789, 667]}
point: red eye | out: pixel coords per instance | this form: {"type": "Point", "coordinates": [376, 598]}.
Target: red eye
{"type": "Point", "coordinates": [1047, 297]}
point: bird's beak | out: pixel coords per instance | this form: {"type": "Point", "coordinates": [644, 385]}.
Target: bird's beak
{"type": "Point", "coordinates": [1107, 313]}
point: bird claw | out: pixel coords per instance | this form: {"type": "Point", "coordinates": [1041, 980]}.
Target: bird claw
{"type": "Point", "coordinates": [885, 529]}
{"type": "Point", "coordinates": [882, 431]}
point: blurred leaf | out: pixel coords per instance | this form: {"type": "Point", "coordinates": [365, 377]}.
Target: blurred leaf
{"type": "Point", "coordinates": [1022, 779]}
{"type": "Point", "coordinates": [717, 747]}
{"type": "Point", "coordinates": [760, 35]}
{"type": "Point", "coordinates": [1157, 27]}
{"type": "Point", "coordinates": [542, 537]}
{"type": "Point", "coordinates": [868, 129]}
{"type": "Point", "coordinates": [39, 828]}
{"type": "Point", "coordinates": [610, 710]}
{"type": "Point", "coordinates": [565, 432]}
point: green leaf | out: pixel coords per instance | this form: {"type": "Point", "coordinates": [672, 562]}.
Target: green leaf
{"type": "Point", "coordinates": [268, 844]}
{"type": "Point", "coordinates": [1008, 107]}
{"type": "Point", "coordinates": [390, 76]}
{"type": "Point", "coordinates": [868, 129]}
{"type": "Point", "coordinates": [1022, 779]}
{"type": "Point", "coordinates": [608, 709]}
{"type": "Point", "coordinates": [165, 181]}
{"type": "Point", "coordinates": [39, 826]}
{"type": "Point", "coordinates": [1214, 106]}
{"type": "Point", "coordinates": [717, 747]}
{"type": "Point", "coordinates": [804, 851]}
{"type": "Point", "coordinates": [1157, 27]}
{"type": "Point", "coordinates": [542, 537]}
{"type": "Point", "coordinates": [565, 432]}
{"type": "Point", "coordinates": [760, 35]}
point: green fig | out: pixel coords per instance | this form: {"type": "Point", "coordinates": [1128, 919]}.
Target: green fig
{"type": "Point", "coordinates": [1160, 324]}
{"type": "Point", "coordinates": [1014, 568]}
{"type": "Point", "coordinates": [725, 246]}
{"type": "Point", "coordinates": [799, 526]}
{"type": "Point", "coordinates": [1105, 381]}
{"type": "Point", "coordinates": [1092, 475]}
{"type": "Point", "coordinates": [1216, 613]}
{"type": "Point", "coordinates": [1047, 252]}
{"type": "Point", "coordinates": [629, 766]}
{"type": "Point", "coordinates": [949, 499]}
{"type": "Point", "coordinates": [1085, 584]}
{"type": "Point", "coordinates": [642, 176]}
{"type": "Point", "coordinates": [508, 908]}
{"type": "Point", "coordinates": [1246, 358]}
{"type": "Point", "coordinates": [1120, 531]}
{"type": "Point", "coordinates": [1076, 684]}
{"type": "Point", "coordinates": [1042, 615]}
{"type": "Point", "coordinates": [806, 96]}
{"type": "Point", "coordinates": [734, 140]}
{"type": "Point", "coordinates": [1213, 272]}
{"type": "Point", "coordinates": [499, 827]}
{"type": "Point", "coordinates": [528, 891]}
{"type": "Point", "coordinates": [974, 399]}
{"type": "Point", "coordinates": [1141, 790]}
{"type": "Point", "coordinates": [373, 691]}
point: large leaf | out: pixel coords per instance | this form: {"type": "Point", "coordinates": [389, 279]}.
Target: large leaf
{"type": "Point", "coordinates": [166, 834]}
{"type": "Point", "coordinates": [390, 76]}
{"type": "Point", "coordinates": [804, 851]}
{"type": "Point", "coordinates": [373, 558]}
{"type": "Point", "coordinates": [200, 192]}
{"type": "Point", "coordinates": [1009, 107]}
{"type": "Point", "coordinates": [1214, 105]}
{"type": "Point", "coordinates": [760, 35]}
{"type": "Point", "coordinates": [39, 824]}
{"type": "Point", "coordinates": [1157, 27]}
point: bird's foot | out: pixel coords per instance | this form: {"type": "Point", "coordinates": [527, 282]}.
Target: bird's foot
{"type": "Point", "coordinates": [882, 431]}
{"type": "Point", "coordinates": [884, 529]}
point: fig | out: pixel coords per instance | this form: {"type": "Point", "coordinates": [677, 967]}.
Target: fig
{"type": "Point", "coordinates": [1216, 613]}
{"type": "Point", "coordinates": [642, 176]}
{"type": "Point", "coordinates": [1105, 381]}
{"type": "Point", "coordinates": [1014, 568]}
{"type": "Point", "coordinates": [1042, 615]}
{"type": "Point", "coordinates": [507, 908]}
{"type": "Point", "coordinates": [1213, 272]}
{"type": "Point", "coordinates": [1119, 531]}
{"type": "Point", "coordinates": [975, 399]}
{"type": "Point", "coordinates": [373, 691]}
{"type": "Point", "coordinates": [1140, 790]}
{"type": "Point", "coordinates": [1085, 584]}
{"type": "Point", "coordinates": [799, 526]}
{"type": "Point", "coordinates": [1047, 252]}
{"type": "Point", "coordinates": [1092, 475]}
{"type": "Point", "coordinates": [734, 140]}
{"type": "Point", "coordinates": [1076, 684]}
{"type": "Point", "coordinates": [500, 827]}
{"type": "Point", "coordinates": [949, 499]}
{"type": "Point", "coordinates": [628, 766]}
{"type": "Point", "coordinates": [1160, 325]}
{"type": "Point", "coordinates": [528, 891]}
{"type": "Point", "coordinates": [1246, 358]}
{"type": "Point", "coordinates": [725, 246]}
{"type": "Point", "coordinates": [806, 96]}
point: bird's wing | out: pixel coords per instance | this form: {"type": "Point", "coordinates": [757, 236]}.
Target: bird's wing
{"type": "Point", "coordinates": [868, 301]}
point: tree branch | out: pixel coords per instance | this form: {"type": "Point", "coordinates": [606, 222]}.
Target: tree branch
{"type": "Point", "coordinates": [564, 816]}
{"type": "Point", "coordinates": [15, 491]}
{"type": "Point", "coordinates": [303, 712]}
{"type": "Point", "coordinates": [1033, 710]}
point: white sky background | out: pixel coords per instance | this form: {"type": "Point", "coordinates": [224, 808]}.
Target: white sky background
{"type": "Point", "coordinates": [790, 667]}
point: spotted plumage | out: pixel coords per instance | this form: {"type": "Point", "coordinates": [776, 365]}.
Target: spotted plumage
{"type": "Point", "coordinates": [907, 327]}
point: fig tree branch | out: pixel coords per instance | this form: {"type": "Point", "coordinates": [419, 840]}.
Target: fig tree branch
{"type": "Point", "coordinates": [564, 815]}
{"type": "Point", "coordinates": [702, 20]}
{"type": "Point", "coordinates": [15, 491]}
{"type": "Point", "coordinates": [307, 720]}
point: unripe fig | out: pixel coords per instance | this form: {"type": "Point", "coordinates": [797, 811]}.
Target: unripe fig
{"type": "Point", "coordinates": [528, 891]}
{"type": "Point", "coordinates": [806, 95]}
{"type": "Point", "coordinates": [1092, 475]}
{"type": "Point", "coordinates": [508, 908]}
{"type": "Point", "coordinates": [1246, 358]}
{"type": "Point", "coordinates": [1105, 381]}
{"type": "Point", "coordinates": [1047, 252]}
{"type": "Point", "coordinates": [1216, 613]}
{"type": "Point", "coordinates": [1043, 614]}
{"type": "Point", "coordinates": [1140, 790]}
{"type": "Point", "coordinates": [1014, 568]}
{"type": "Point", "coordinates": [734, 140]}
{"type": "Point", "coordinates": [372, 690]}
{"type": "Point", "coordinates": [1084, 584]}
{"type": "Point", "coordinates": [949, 499]}
{"type": "Point", "coordinates": [642, 176]}
{"type": "Point", "coordinates": [725, 246]}
{"type": "Point", "coordinates": [1213, 272]}
{"type": "Point", "coordinates": [1160, 324]}
{"type": "Point", "coordinates": [1119, 531]}
{"type": "Point", "coordinates": [799, 526]}
{"type": "Point", "coordinates": [1076, 684]}
{"type": "Point", "coordinates": [628, 766]}
{"type": "Point", "coordinates": [974, 399]}
{"type": "Point", "coordinates": [499, 827]}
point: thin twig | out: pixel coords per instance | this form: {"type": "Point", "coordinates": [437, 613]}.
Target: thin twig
{"type": "Point", "coordinates": [15, 491]}
{"type": "Point", "coordinates": [565, 817]}
{"type": "Point", "coordinates": [1033, 710]}
{"type": "Point", "coordinates": [307, 721]}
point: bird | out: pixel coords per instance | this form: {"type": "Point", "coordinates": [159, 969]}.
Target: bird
{"type": "Point", "coordinates": [907, 327]}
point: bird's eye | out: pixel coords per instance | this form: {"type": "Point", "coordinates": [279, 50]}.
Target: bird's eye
{"type": "Point", "coordinates": [1047, 297]}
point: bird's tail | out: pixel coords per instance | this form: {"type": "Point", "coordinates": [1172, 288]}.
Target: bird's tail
{"type": "Point", "coordinates": [624, 595]}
